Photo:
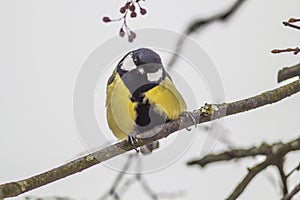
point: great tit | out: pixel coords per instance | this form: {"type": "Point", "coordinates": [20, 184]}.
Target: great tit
{"type": "Point", "coordinates": [141, 95]}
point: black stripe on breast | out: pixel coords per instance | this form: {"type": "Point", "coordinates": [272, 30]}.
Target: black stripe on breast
{"type": "Point", "coordinates": [147, 117]}
{"type": "Point", "coordinates": [137, 95]}
{"type": "Point", "coordinates": [143, 118]}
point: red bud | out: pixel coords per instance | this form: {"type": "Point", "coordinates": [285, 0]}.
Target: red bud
{"type": "Point", "coordinates": [133, 14]}
{"type": "Point", "coordinates": [106, 19]}
{"type": "Point", "coordinates": [143, 11]}
{"type": "Point", "coordinates": [121, 32]}
{"type": "Point", "coordinates": [123, 9]}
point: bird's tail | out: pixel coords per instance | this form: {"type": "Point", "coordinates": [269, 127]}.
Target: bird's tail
{"type": "Point", "coordinates": [148, 148]}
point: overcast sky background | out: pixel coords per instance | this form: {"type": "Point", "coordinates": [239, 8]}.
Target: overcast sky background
{"type": "Point", "coordinates": [44, 44]}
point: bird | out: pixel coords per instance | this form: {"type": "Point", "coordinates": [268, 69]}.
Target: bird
{"type": "Point", "coordinates": [140, 95]}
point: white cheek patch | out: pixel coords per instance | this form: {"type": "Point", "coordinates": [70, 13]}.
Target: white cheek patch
{"type": "Point", "coordinates": [155, 76]}
{"type": "Point", "coordinates": [128, 64]}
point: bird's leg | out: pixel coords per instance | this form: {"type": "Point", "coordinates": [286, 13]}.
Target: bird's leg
{"type": "Point", "coordinates": [132, 140]}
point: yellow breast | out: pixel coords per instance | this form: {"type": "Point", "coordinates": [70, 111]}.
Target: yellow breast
{"type": "Point", "coordinates": [167, 99]}
{"type": "Point", "coordinates": [120, 110]}
{"type": "Point", "coordinates": [121, 114]}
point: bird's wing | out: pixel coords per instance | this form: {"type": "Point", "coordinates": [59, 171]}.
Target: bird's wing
{"type": "Point", "coordinates": [120, 111]}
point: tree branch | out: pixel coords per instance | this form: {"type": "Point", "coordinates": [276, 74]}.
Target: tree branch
{"type": "Point", "coordinates": [248, 178]}
{"type": "Point", "coordinates": [280, 168]}
{"type": "Point", "coordinates": [264, 149]}
{"type": "Point", "coordinates": [291, 25]}
{"type": "Point", "coordinates": [295, 50]}
{"type": "Point", "coordinates": [297, 168]}
{"type": "Point", "coordinates": [292, 193]}
{"type": "Point", "coordinates": [274, 153]}
{"type": "Point", "coordinates": [202, 23]}
{"type": "Point", "coordinates": [288, 72]}
{"type": "Point", "coordinates": [209, 113]}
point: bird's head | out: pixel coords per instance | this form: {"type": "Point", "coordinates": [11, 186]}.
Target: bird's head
{"type": "Point", "coordinates": [142, 62]}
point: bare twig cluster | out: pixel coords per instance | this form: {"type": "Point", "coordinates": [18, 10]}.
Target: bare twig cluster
{"type": "Point", "coordinates": [130, 8]}
{"type": "Point", "coordinates": [122, 184]}
{"type": "Point", "coordinates": [274, 154]}
{"type": "Point", "coordinates": [291, 24]}
{"type": "Point", "coordinates": [113, 190]}
{"type": "Point", "coordinates": [296, 50]}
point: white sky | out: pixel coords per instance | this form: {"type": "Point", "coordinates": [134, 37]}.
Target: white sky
{"type": "Point", "coordinates": [44, 43]}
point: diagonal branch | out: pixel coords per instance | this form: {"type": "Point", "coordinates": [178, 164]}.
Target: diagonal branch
{"type": "Point", "coordinates": [252, 172]}
{"type": "Point", "coordinates": [274, 153]}
{"type": "Point", "coordinates": [202, 23]}
{"type": "Point", "coordinates": [291, 25]}
{"type": "Point", "coordinates": [297, 168]}
{"type": "Point", "coordinates": [280, 166]}
{"type": "Point", "coordinates": [209, 113]}
{"type": "Point", "coordinates": [113, 188]}
{"type": "Point", "coordinates": [264, 149]}
{"type": "Point", "coordinates": [292, 193]}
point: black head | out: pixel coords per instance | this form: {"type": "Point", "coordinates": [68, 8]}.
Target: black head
{"type": "Point", "coordinates": [144, 56]}
{"type": "Point", "coordinates": [141, 70]}
{"type": "Point", "coordinates": [142, 62]}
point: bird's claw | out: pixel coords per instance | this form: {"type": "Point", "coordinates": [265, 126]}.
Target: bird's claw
{"type": "Point", "coordinates": [188, 129]}
{"type": "Point", "coordinates": [191, 116]}
{"type": "Point", "coordinates": [133, 141]}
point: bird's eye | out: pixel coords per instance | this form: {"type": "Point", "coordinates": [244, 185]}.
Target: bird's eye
{"type": "Point", "coordinates": [135, 60]}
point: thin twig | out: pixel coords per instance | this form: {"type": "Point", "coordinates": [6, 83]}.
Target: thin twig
{"type": "Point", "coordinates": [292, 193]}
{"type": "Point", "coordinates": [124, 188]}
{"type": "Point", "coordinates": [202, 23]}
{"type": "Point", "coordinates": [280, 166]}
{"type": "Point", "coordinates": [121, 174]}
{"type": "Point", "coordinates": [147, 188]}
{"type": "Point", "coordinates": [278, 153]}
{"type": "Point", "coordinates": [112, 190]}
{"type": "Point", "coordinates": [264, 149]}
{"type": "Point", "coordinates": [293, 170]}
{"type": "Point", "coordinates": [248, 178]}
{"type": "Point", "coordinates": [291, 25]}
{"type": "Point", "coordinates": [295, 50]}
{"type": "Point", "coordinates": [210, 113]}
